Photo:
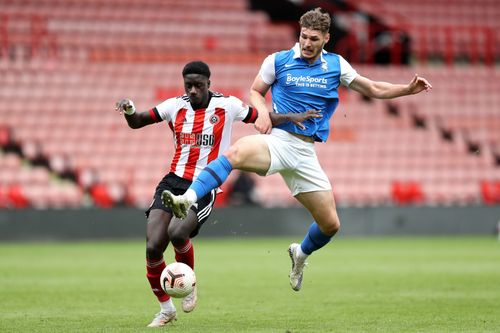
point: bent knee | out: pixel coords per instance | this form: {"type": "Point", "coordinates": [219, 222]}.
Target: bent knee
{"type": "Point", "coordinates": [178, 239]}
{"type": "Point", "coordinates": [332, 227]}
{"type": "Point", "coordinates": [178, 236]}
{"type": "Point", "coordinates": [153, 250]}
{"type": "Point", "coordinates": [249, 153]}
{"type": "Point", "coordinates": [236, 155]}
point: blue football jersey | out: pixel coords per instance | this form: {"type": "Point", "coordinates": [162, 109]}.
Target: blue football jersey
{"type": "Point", "coordinates": [299, 86]}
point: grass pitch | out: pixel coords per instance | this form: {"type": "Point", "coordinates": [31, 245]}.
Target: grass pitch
{"type": "Point", "coordinates": [352, 285]}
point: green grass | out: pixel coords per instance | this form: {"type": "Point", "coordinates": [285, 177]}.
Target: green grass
{"type": "Point", "coordinates": [352, 285]}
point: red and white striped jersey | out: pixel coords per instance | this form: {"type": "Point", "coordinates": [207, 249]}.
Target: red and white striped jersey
{"type": "Point", "coordinates": [200, 136]}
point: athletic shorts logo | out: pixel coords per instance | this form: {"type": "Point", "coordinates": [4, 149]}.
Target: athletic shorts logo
{"type": "Point", "coordinates": [214, 119]}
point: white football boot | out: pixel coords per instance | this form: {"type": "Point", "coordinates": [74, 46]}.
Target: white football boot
{"type": "Point", "coordinates": [163, 318]}
{"type": "Point", "coordinates": [298, 265]}
{"type": "Point", "coordinates": [177, 203]}
{"type": "Point", "coordinates": [189, 302]}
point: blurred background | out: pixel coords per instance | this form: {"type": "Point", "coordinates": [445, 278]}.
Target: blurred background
{"type": "Point", "coordinates": [71, 167]}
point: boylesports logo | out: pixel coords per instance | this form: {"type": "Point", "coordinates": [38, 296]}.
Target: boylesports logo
{"type": "Point", "coordinates": [307, 81]}
{"type": "Point", "coordinates": [196, 139]}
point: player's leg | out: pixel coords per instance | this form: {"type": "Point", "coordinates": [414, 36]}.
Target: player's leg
{"type": "Point", "coordinates": [311, 187]}
{"type": "Point", "coordinates": [156, 243]}
{"type": "Point", "coordinates": [181, 232]}
{"type": "Point", "coordinates": [157, 240]}
{"type": "Point", "coordinates": [321, 205]}
{"type": "Point", "coordinates": [250, 153]}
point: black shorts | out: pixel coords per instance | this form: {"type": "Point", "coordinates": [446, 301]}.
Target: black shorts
{"type": "Point", "coordinates": [178, 186]}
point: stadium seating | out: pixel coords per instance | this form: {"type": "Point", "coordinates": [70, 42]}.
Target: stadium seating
{"type": "Point", "coordinates": [24, 186]}
{"type": "Point", "coordinates": [437, 148]}
{"type": "Point", "coordinates": [451, 30]}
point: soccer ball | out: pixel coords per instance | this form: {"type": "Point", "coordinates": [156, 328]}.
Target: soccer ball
{"type": "Point", "coordinates": [178, 280]}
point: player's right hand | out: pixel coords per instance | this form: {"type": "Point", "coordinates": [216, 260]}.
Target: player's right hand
{"type": "Point", "coordinates": [263, 123]}
{"type": "Point", "coordinates": [125, 106]}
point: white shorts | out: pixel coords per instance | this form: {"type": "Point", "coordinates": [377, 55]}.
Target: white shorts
{"type": "Point", "coordinates": [296, 161]}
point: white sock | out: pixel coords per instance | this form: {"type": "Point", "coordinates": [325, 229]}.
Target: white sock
{"type": "Point", "coordinates": [301, 255]}
{"type": "Point", "coordinates": [167, 306]}
{"type": "Point", "coordinates": [191, 195]}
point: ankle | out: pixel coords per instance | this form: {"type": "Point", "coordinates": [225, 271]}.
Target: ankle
{"type": "Point", "coordinates": [300, 254]}
{"type": "Point", "coordinates": [190, 195]}
{"type": "Point", "coordinates": [167, 306]}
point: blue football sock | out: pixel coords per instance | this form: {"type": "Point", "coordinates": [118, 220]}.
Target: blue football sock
{"type": "Point", "coordinates": [314, 240]}
{"type": "Point", "coordinates": [214, 174]}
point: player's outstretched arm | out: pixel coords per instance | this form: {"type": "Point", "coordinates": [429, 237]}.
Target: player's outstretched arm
{"type": "Point", "coordinates": [134, 119]}
{"type": "Point", "coordinates": [296, 118]}
{"type": "Point", "coordinates": [385, 90]}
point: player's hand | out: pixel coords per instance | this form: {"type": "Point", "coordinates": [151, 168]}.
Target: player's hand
{"type": "Point", "coordinates": [299, 118]}
{"type": "Point", "coordinates": [125, 106]}
{"type": "Point", "coordinates": [263, 123]}
{"type": "Point", "coordinates": [418, 84]}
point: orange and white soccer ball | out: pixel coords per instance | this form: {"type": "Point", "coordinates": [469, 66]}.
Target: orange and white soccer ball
{"type": "Point", "coordinates": [178, 280]}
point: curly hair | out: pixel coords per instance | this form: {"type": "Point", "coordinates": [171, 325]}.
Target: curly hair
{"type": "Point", "coordinates": [316, 19]}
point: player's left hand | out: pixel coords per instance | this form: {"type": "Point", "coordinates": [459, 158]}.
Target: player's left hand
{"type": "Point", "coordinates": [299, 118]}
{"type": "Point", "coordinates": [418, 84]}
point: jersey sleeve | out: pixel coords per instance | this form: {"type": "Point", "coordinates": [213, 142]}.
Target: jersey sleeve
{"type": "Point", "coordinates": [166, 109]}
{"type": "Point", "coordinates": [347, 73]}
{"type": "Point", "coordinates": [241, 111]}
{"type": "Point", "coordinates": [267, 70]}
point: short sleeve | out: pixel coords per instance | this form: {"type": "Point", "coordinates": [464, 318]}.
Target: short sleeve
{"type": "Point", "coordinates": [166, 109]}
{"type": "Point", "coordinates": [347, 73]}
{"type": "Point", "coordinates": [238, 109]}
{"type": "Point", "coordinates": [267, 70]}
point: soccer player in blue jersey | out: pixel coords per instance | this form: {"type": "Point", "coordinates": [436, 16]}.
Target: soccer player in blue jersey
{"type": "Point", "coordinates": [302, 78]}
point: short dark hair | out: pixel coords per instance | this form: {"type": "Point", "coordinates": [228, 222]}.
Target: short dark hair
{"type": "Point", "coordinates": [196, 67]}
{"type": "Point", "coordinates": [316, 19]}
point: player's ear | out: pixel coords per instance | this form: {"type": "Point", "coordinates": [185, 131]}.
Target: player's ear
{"type": "Point", "coordinates": [208, 83]}
{"type": "Point", "coordinates": [327, 38]}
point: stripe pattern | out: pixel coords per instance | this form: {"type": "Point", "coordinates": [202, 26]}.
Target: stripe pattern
{"type": "Point", "coordinates": [204, 213]}
{"type": "Point", "coordinates": [185, 248]}
{"type": "Point", "coordinates": [200, 136]}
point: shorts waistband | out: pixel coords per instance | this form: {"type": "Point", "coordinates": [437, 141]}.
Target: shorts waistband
{"type": "Point", "coordinates": [305, 138]}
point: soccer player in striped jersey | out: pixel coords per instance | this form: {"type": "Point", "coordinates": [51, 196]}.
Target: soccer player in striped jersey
{"type": "Point", "coordinates": [302, 78]}
{"type": "Point", "coordinates": [201, 122]}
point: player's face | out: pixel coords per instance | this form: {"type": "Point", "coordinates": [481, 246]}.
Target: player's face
{"type": "Point", "coordinates": [311, 43]}
{"type": "Point", "coordinates": [196, 88]}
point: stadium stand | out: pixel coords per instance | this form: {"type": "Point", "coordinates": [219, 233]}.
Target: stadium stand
{"type": "Point", "coordinates": [445, 30]}
{"type": "Point", "coordinates": [63, 65]}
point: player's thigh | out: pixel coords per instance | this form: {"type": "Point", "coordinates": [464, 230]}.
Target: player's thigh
{"type": "Point", "coordinates": [321, 205]}
{"type": "Point", "coordinates": [179, 230]}
{"type": "Point", "coordinates": [250, 153]}
{"type": "Point", "coordinates": [157, 229]}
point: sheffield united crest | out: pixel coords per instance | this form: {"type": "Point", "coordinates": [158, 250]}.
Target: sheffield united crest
{"type": "Point", "coordinates": [214, 119]}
